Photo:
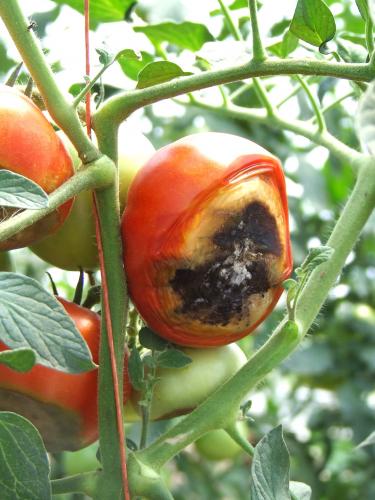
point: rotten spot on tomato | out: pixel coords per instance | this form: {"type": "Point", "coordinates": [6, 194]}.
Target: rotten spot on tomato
{"type": "Point", "coordinates": [216, 248]}
{"type": "Point", "coordinates": [220, 289]}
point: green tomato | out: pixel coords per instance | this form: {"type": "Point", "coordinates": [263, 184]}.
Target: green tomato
{"type": "Point", "coordinates": [218, 445]}
{"type": "Point", "coordinates": [179, 390]}
{"type": "Point", "coordinates": [73, 246]}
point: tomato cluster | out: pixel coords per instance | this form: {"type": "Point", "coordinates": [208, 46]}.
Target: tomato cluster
{"type": "Point", "coordinates": [206, 248]}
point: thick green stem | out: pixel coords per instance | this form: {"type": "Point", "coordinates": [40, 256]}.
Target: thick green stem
{"type": "Point", "coordinates": [59, 107]}
{"type": "Point", "coordinates": [119, 107]}
{"type": "Point", "coordinates": [113, 274]}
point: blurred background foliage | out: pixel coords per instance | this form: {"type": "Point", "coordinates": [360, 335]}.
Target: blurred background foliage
{"type": "Point", "coordinates": [324, 395]}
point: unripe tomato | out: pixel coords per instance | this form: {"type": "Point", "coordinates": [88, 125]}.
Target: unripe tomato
{"type": "Point", "coordinates": [29, 146]}
{"type": "Point", "coordinates": [206, 239]}
{"type": "Point", "coordinates": [62, 406]}
{"type": "Point", "coordinates": [74, 244]}
{"type": "Point", "coordinates": [218, 445]}
{"type": "Point", "coordinates": [179, 390]}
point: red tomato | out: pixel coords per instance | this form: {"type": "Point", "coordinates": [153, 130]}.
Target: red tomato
{"type": "Point", "coordinates": [206, 239]}
{"type": "Point", "coordinates": [29, 146]}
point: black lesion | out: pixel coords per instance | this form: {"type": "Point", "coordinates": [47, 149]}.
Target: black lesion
{"type": "Point", "coordinates": [218, 290]}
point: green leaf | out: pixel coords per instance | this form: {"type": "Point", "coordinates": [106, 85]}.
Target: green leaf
{"type": "Point", "coordinates": [289, 284]}
{"type": "Point", "coordinates": [365, 119]}
{"type": "Point", "coordinates": [313, 22]}
{"type": "Point", "coordinates": [33, 319]}
{"type": "Point", "coordinates": [20, 192]}
{"type": "Point", "coordinates": [301, 491]}
{"type": "Point", "coordinates": [173, 358]}
{"type": "Point", "coordinates": [288, 44]}
{"type": "Point", "coordinates": [21, 360]}
{"type": "Point", "coordinates": [351, 52]}
{"type": "Point", "coordinates": [159, 72]}
{"type": "Point", "coordinates": [315, 258]}
{"type": "Point", "coordinates": [101, 10]}
{"type": "Point", "coordinates": [270, 468]}
{"type": "Point", "coordinates": [128, 54]}
{"type": "Point", "coordinates": [370, 440]}
{"type": "Point", "coordinates": [185, 35]}
{"type": "Point", "coordinates": [135, 368]}
{"type": "Point", "coordinates": [151, 340]}
{"type": "Point", "coordinates": [24, 465]}
{"type": "Point", "coordinates": [132, 67]}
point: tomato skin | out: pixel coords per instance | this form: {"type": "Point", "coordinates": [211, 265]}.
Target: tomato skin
{"type": "Point", "coordinates": [176, 228]}
{"type": "Point", "coordinates": [179, 390]}
{"type": "Point", "coordinates": [29, 146]}
{"type": "Point", "coordinates": [74, 244]}
{"type": "Point", "coordinates": [67, 397]}
{"type": "Point", "coordinates": [217, 445]}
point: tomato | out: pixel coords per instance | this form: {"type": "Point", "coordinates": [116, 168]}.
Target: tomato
{"type": "Point", "coordinates": [62, 406]}
{"type": "Point", "coordinates": [29, 146]}
{"type": "Point", "coordinates": [179, 390]}
{"type": "Point", "coordinates": [206, 239]}
{"type": "Point", "coordinates": [218, 445]}
{"type": "Point", "coordinates": [74, 244]}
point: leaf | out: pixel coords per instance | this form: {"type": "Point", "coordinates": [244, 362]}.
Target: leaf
{"type": "Point", "coordinates": [21, 360]}
{"type": "Point", "coordinates": [351, 52]}
{"type": "Point", "coordinates": [368, 441]}
{"type": "Point", "coordinates": [20, 192]}
{"type": "Point", "coordinates": [186, 35]}
{"type": "Point", "coordinates": [24, 465]}
{"type": "Point", "coordinates": [159, 72]}
{"type": "Point", "coordinates": [301, 491]}
{"type": "Point", "coordinates": [135, 368]}
{"type": "Point", "coordinates": [365, 119]}
{"type": "Point", "coordinates": [132, 67]}
{"type": "Point", "coordinates": [315, 258]}
{"type": "Point", "coordinates": [128, 55]}
{"type": "Point", "coordinates": [151, 340]}
{"type": "Point", "coordinates": [313, 22]}
{"type": "Point", "coordinates": [287, 45]}
{"type": "Point", "coordinates": [270, 468]}
{"type": "Point", "coordinates": [101, 10]}
{"type": "Point", "coordinates": [173, 358]}
{"type": "Point", "coordinates": [33, 319]}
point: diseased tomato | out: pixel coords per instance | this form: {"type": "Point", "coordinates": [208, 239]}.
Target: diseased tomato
{"type": "Point", "coordinates": [218, 445]}
{"type": "Point", "coordinates": [179, 390]}
{"type": "Point", "coordinates": [29, 146]}
{"type": "Point", "coordinates": [206, 239]}
{"type": "Point", "coordinates": [74, 244]}
{"type": "Point", "coordinates": [62, 406]}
